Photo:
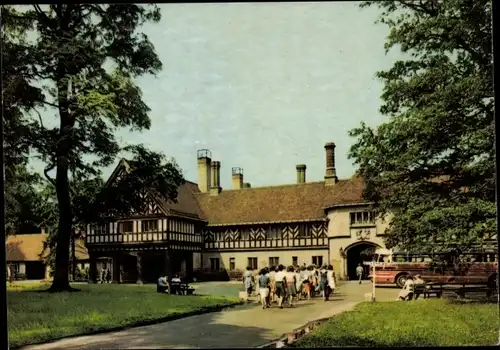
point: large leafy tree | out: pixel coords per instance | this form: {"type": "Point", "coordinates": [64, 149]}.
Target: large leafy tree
{"type": "Point", "coordinates": [81, 61]}
{"type": "Point", "coordinates": [433, 161]}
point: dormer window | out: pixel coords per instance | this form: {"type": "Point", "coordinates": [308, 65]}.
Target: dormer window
{"type": "Point", "coordinates": [362, 218]}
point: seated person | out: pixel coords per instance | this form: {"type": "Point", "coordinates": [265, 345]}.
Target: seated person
{"type": "Point", "coordinates": [176, 279]}
{"type": "Point", "coordinates": [418, 280]}
{"type": "Point", "coordinates": [162, 285]}
{"type": "Point", "coordinates": [407, 291]}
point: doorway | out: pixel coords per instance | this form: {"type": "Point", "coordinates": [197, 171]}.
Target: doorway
{"type": "Point", "coordinates": [358, 254]}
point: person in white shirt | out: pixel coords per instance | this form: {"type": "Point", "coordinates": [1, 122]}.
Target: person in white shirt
{"type": "Point", "coordinates": [272, 284]}
{"type": "Point", "coordinates": [407, 290]}
{"type": "Point", "coordinates": [162, 285]}
{"type": "Point", "coordinates": [330, 276]}
{"type": "Point", "coordinates": [280, 281]}
{"type": "Point", "coordinates": [291, 285]}
{"type": "Point", "coordinates": [298, 282]}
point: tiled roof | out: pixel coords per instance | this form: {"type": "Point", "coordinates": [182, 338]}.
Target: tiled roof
{"type": "Point", "coordinates": [28, 247]}
{"type": "Point", "coordinates": [187, 202]}
{"type": "Point", "coordinates": [279, 203]}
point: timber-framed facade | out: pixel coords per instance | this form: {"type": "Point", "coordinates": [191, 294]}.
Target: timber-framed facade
{"type": "Point", "coordinates": [303, 223]}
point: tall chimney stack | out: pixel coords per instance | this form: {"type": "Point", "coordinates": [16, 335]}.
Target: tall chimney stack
{"type": "Point", "coordinates": [301, 173]}
{"type": "Point", "coordinates": [331, 173]}
{"type": "Point", "coordinates": [204, 163]}
{"type": "Point", "coordinates": [237, 174]}
{"type": "Point", "coordinates": [215, 189]}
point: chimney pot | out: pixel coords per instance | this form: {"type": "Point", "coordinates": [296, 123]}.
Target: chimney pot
{"type": "Point", "coordinates": [237, 177]}
{"type": "Point", "coordinates": [331, 172]}
{"type": "Point", "coordinates": [215, 189]}
{"type": "Point", "coordinates": [301, 173]}
{"type": "Point", "coordinates": [204, 169]}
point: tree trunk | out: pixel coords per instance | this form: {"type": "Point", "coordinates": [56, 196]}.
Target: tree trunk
{"type": "Point", "coordinates": [61, 273]}
{"type": "Point", "coordinates": [64, 233]}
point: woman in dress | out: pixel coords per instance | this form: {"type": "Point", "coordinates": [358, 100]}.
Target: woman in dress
{"type": "Point", "coordinates": [248, 281]}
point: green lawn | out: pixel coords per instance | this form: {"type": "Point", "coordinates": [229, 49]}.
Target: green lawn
{"type": "Point", "coordinates": [433, 322]}
{"type": "Point", "coordinates": [36, 317]}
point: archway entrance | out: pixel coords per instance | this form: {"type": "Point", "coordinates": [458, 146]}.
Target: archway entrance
{"type": "Point", "coordinates": [357, 254]}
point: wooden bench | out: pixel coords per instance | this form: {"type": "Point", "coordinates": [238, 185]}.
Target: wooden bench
{"type": "Point", "coordinates": [180, 288]}
{"type": "Point", "coordinates": [462, 291]}
{"type": "Point", "coordinates": [425, 289]}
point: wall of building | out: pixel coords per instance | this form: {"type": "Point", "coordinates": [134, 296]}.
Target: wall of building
{"type": "Point", "coordinates": [342, 235]}
{"type": "Point", "coordinates": [285, 257]}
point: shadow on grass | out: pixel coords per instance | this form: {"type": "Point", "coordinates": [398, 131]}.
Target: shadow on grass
{"type": "Point", "coordinates": [129, 328]}
{"type": "Point", "coordinates": [312, 341]}
{"type": "Point", "coordinates": [202, 331]}
{"type": "Point", "coordinates": [472, 301]}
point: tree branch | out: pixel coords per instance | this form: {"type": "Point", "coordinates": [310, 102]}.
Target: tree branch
{"type": "Point", "coordinates": [46, 173]}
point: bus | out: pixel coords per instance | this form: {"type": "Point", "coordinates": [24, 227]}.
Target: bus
{"type": "Point", "coordinates": [474, 268]}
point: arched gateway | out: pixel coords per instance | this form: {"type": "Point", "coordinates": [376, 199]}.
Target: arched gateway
{"type": "Point", "coordinates": [357, 253]}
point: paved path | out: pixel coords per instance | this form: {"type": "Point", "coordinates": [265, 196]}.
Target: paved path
{"type": "Point", "coordinates": [245, 326]}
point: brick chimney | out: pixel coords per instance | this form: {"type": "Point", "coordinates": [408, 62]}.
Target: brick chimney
{"type": "Point", "coordinates": [237, 174]}
{"type": "Point", "coordinates": [204, 163]}
{"type": "Point", "coordinates": [215, 188]}
{"type": "Point", "coordinates": [331, 173]}
{"type": "Point", "coordinates": [301, 173]}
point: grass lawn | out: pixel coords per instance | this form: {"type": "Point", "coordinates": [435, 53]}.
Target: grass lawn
{"type": "Point", "coordinates": [434, 322]}
{"type": "Point", "coordinates": [36, 317]}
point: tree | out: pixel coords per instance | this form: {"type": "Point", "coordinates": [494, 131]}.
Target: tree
{"type": "Point", "coordinates": [433, 161]}
{"type": "Point", "coordinates": [82, 63]}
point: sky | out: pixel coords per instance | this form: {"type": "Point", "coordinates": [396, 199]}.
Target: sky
{"type": "Point", "coordinates": [263, 86]}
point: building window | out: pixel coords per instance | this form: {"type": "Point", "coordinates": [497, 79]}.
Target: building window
{"type": "Point", "coordinates": [101, 229]}
{"type": "Point", "coordinates": [295, 261]}
{"type": "Point", "coordinates": [304, 231]}
{"type": "Point", "coordinates": [274, 232]}
{"type": "Point", "coordinates": [274, 261]}
{"type": "Point", "coordinates": [149, 225]}
{"type": "Point", "coordinates": [214, 264]}
{"type": "Point", "coordinates": [126, 227]}
{"type": "Point", "coordinates": [317, 260]}
{"type": "Point", "coordinates": [362, 218]}
{"type": "Point", "coordinates": [252, 262]}
{"type": "Point", "coordinates": [232, 264]}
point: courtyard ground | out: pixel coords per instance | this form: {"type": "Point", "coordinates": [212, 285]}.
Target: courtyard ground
{"type": "Point", "coordinates": [243, 326]}
{"type": "Point", "coordinates": [35, 316]}
{"type": "Point", "coordinates": [250, 326]}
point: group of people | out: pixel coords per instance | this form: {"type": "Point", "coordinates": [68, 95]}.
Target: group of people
{"type": "Point", "coordinates": [278, 284]}
{"type": "Point", "coordinates": [163, 286]}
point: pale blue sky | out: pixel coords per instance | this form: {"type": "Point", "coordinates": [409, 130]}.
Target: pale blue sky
{"type": "Point", "coordinates": [263, 86]}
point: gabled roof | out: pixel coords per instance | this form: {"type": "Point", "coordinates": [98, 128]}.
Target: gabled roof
{"type": "Point", "coordinates": [187, 202]}
{"type": "Point", "coordinates": [297, 202]}
{"type": "Point", "coordinates": [186, 205]}
{"type": "Point", "coordinates": [28, 247]}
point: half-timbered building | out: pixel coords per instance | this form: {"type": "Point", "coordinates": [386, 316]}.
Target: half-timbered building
{"type": "Point", "coordinates": [325, 222]}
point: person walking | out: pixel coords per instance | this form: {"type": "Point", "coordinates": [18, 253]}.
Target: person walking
{"type": "Point", "coordinates": [291, 282]}
{"type": "Point", "coordinates": [323, 283]}
{"type": "Point", "coordinates": [359, 272]}
{"type": "Point", "coordinates": [263, 288]}
{"type": "Point", "coordinates": [248, 281]}
{"type": "Point", "coordinates": [280, 280]}
{"type": "Point", "coordinates": [331, 281]}
{"type": "Point", "coordinates": [272, 284]}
